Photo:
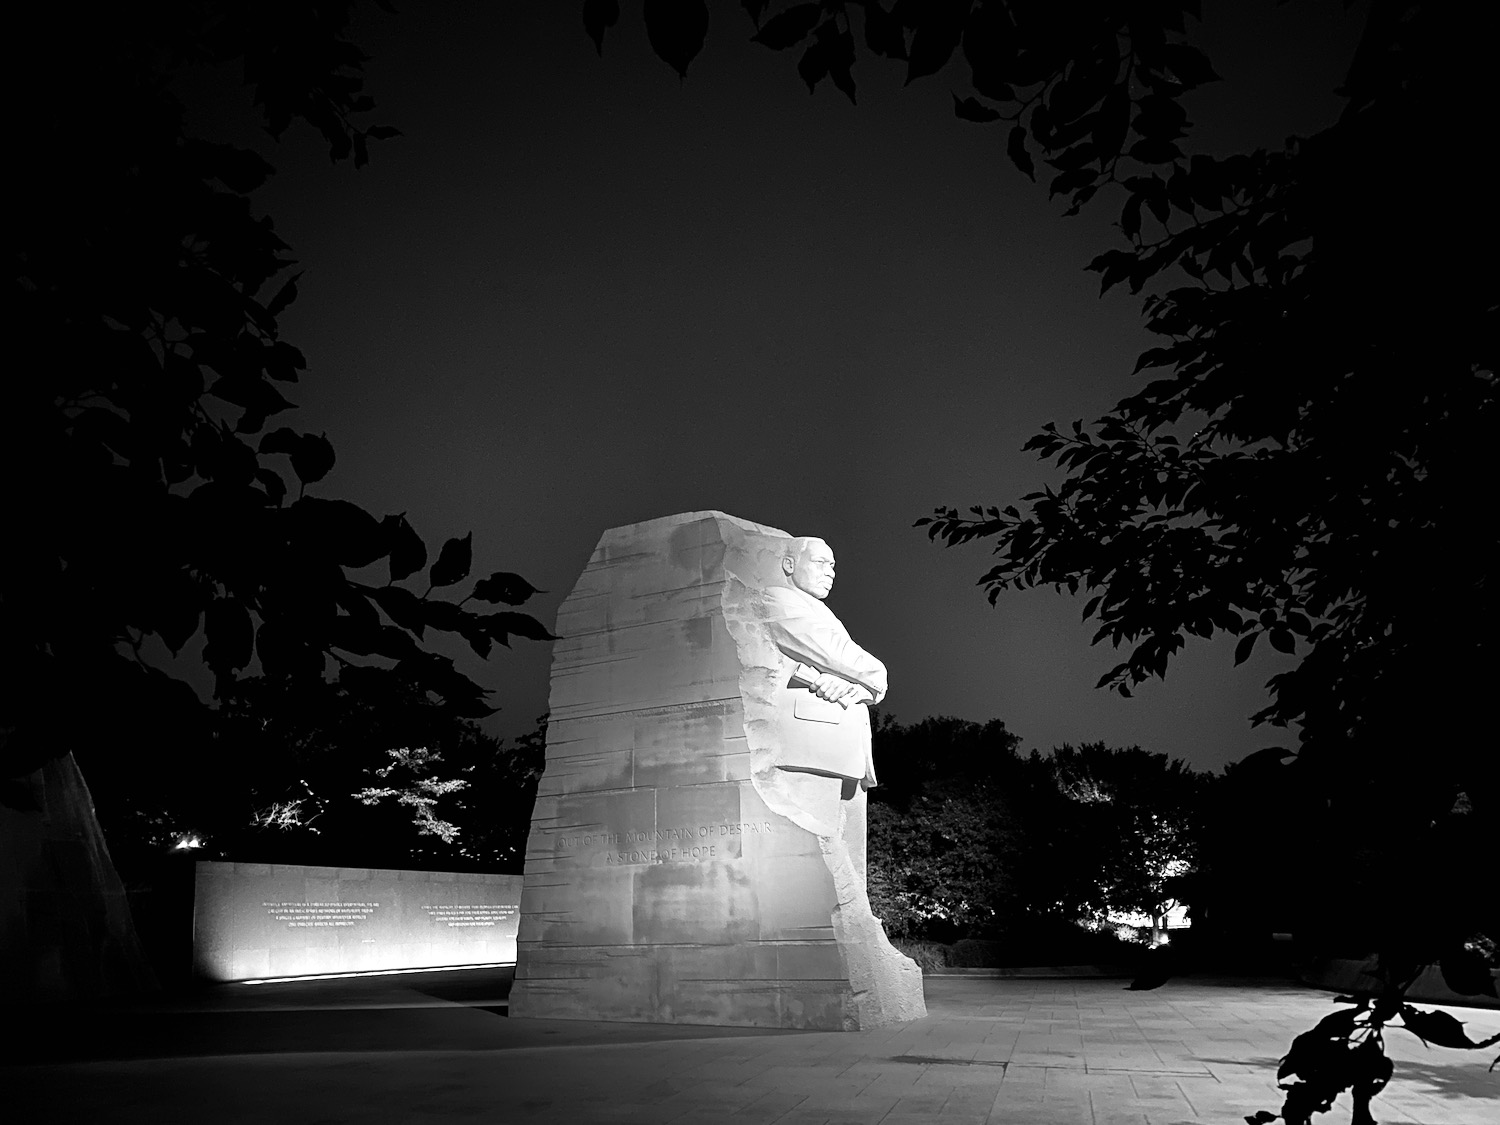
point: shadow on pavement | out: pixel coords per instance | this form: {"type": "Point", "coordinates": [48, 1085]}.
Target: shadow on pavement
{"type": "Point", "coordinates": [451, 1011]}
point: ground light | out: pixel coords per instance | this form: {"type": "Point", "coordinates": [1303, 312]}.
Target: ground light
{"type": "Point", "coordinates": [375, 973]}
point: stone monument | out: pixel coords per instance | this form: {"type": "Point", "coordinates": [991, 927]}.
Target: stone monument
{"type": "Point", "coordinates": [697, 851]}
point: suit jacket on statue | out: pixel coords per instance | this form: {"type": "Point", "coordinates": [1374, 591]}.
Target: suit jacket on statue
{"type": "Point", "coordinates": [814, 735]}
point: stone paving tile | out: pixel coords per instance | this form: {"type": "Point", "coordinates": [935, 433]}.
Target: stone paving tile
{"type": "Point", "coordinates": [770, 1106]}
{"type": "Point", "coordinates": [859, 1110]}
{"type": "Point", "coordinates": [911, 1104]}
{"type": "Point", "coordinates": [1037, 1053]}
{"type": "Point", "coordinates": [699, 1105]}
{"type": "Point", "coordinates": [881, 1088]}
{"type": "Point", "coordinates": [994, 1052]}
{"type": "Point", "coordinates": [954, 1078]}
{"type": "Point", "coordinates": [809, 1082]}
{"type": "Point", "coordinates": [1031, 1115]}
{"type": "Point", "coordinates": [1022, 1074]}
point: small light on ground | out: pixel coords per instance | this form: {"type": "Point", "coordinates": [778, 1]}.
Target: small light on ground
{"type": "Point", "coordinates": [378, 973]}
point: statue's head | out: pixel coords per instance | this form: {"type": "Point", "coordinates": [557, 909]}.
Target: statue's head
{"type": "Point", "coordinates": [808, 562]}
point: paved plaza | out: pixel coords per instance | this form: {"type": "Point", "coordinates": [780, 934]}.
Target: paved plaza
{"type": "Point", "coordinates": [439, 1048]}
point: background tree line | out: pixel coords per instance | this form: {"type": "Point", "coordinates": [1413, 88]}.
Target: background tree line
{"type": "Point", "coordinates": [969, 837]}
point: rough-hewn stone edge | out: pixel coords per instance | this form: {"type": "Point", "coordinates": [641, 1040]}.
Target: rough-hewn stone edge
{"type": "Point", "coordinates": [886, 984]}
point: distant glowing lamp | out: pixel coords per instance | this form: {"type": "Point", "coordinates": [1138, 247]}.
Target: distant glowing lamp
{"type": "Point", "coordinates": [187, 843]}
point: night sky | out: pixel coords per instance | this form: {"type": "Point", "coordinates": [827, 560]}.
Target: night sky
{"type": "Point", "coordinates": [578, 294]}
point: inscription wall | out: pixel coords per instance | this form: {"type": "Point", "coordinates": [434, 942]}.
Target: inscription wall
{"type": "Point", "coordinates": [256, 920]}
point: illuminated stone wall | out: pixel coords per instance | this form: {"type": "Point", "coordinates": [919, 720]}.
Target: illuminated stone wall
{"type": "Point", "coordinates": [255, 920]}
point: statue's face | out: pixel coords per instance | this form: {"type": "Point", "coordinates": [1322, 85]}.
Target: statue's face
{"type": "Point", "coordinates": [812, 570]}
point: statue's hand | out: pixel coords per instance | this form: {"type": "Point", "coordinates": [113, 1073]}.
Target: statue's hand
{"type": "Point", "coordinates": [838, 690]}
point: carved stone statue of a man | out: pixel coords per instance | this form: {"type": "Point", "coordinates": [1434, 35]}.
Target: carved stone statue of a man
{"type": "Point", "coordinates": [829, 682]}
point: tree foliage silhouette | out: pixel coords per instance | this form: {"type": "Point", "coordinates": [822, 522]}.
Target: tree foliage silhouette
{"type": "Point", "coordinates": [152, 509]}
{"type": "Point", "coordinates": [1310, 460]}
{"type": "Point", "coordinates": [970, 839]}
{"type": "Point", "coordinates": [1136, 816]}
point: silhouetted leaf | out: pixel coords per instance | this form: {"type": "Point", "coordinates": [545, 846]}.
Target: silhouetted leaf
{"type": "Point", "coordinates": [402, 606]}
{"type": "Point", "coordinates": [813, 66]}
{"type": "Point", "coordinates": [1440, 1028]}
{"type": "Point", "coordinates": [502, 626]}
{"type": "Point", "coordinates": [474, 631]}
{"type": "Point", "coordinates": [273, 484]}
{"type": "Point", "coordinates": [1282, 640]}
{"type": "Point", "coordinates": [1314, 1051]}
{"type": "Point", "coordinates": [252, 392]}
{"type": "Point", "coordinates": [503, 586]}
{"type": "Point", "coordinates": [1246, 644]}
{"type": "Point", "coordinates": [1267, 758]}
{"type": "Point", "coordinates": [443, 615]}
{"type": "Point", "coordinates": [883, 33]}
{"type": "Point", "coordinates": [1369, 1071]}
{"type": "Point", "coordinates": [1015, 148]}
{"type": "Point", "coordinates": [177, 617]}
{"type": "Point", "coordinates": [1260, 1117]}
{"type": "Point", "coordinates": [1188, 64]}
{"type": "Point", "coordinates": [1339, 1023]}
{"type": "Point", "coordinates": [284, 362]}
{"type": "Point", "coordinates": [396, 643]}
{"type": "Point", "coordinates": [788, 27]}
{"type": "Point", "coordinates": [284, 296]}
{"type": "Point", "coordinates": [341, 532]}
{"type": "Point", "coordinates": [239, 169]}
{"type": "Point", "coordinates": [453, 561]}
{"type": "Point", "coordinates": [934, 40]}
{"type": "Point", "coordinates": [971, 109]}
{"type": "Point", "coordinates": [598, 16]}
{"type": "Point", "coordinates": [1113, 266]}
{"type": "Point", "coordinates": [313, 458]}
{"type": "Point", "coordinates": [676, 29]}
{"type": "Point", "coordinates": [838, 48]}
{"type": "Point", "coordinates": [408, 552]}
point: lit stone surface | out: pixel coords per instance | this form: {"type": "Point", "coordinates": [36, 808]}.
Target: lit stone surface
{"type": "Point", "coordinates": [674, 872]}
{"type": "Point", "coordinates": [256, 920]}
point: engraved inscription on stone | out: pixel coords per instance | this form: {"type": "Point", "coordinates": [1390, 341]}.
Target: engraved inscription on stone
{"type": "Point", "coordinates": [463, 915]}
{"type": "Point", "coordinates": [319, 915]}
{"type": "Point", "coordinates": [661, 845]}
